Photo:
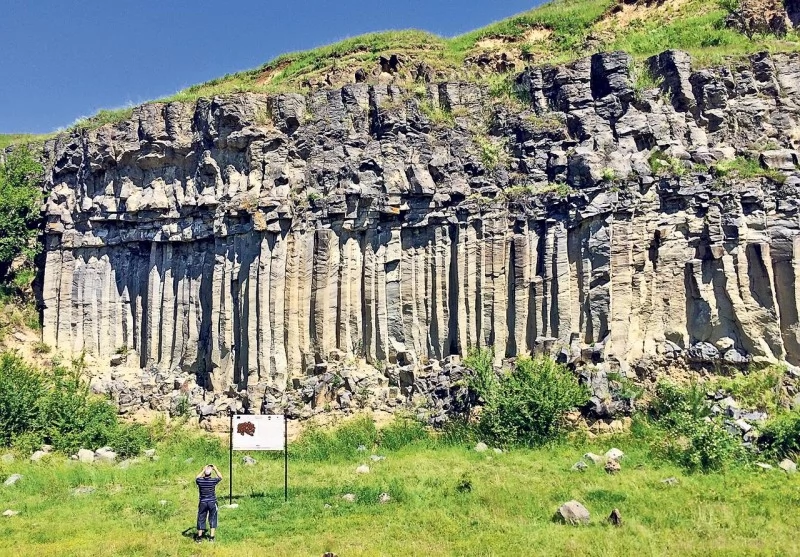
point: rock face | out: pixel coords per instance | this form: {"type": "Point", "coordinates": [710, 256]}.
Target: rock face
{"type": "Point", "coordinates": [247, 240]}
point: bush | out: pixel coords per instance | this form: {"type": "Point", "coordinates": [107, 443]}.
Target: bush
{"type": "Point", "coordinates": [691, 438]}
{"type": "Point", "coordinates": [21, 390]}
{"type": "Point", "coordinates": [527, 406]}
{"type": "Point", "coordinates": [58, 408]}
{"type": "Point", "coordinates": [781, 436]}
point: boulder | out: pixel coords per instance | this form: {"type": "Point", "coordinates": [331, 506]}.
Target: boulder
{"type": "Point", "coordinates": [85, 456]}
{"type": "Point", "coordinates": [105, 454]}
{"type": "Point", "coordinates": [9, 512]}
{"type": "Point", "coordinates": [38, 455]}
{"type": "Point", "coordinates": [384, 498]}
{"type": "Point", "coordinates": [573, 512]}
{"type": "Point", "coordinates": [614, 454]}
{"type": "Point", "coordinates": [349, 497]}
{"type": "Point", "coordinates": [612, 466]}
{"type": "Point", "coordinates": [363, 469]}
{"type": "Point", "coordinates": [579, 466]}
{"type": "Point", "coordinates": [481, 447]}
{"type": "Point", "coordinates": [788, 466]}
{"type": "Point", "coordinates": [596, 459]}
{"type": "Point", "coordinates": [702, 353]}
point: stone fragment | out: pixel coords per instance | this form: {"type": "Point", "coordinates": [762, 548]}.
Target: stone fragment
{"type": "Point", "coordinates": [612, 466]}
{"type": "Point", "coordinates": [614, 454]}
{"type": "Point", "coordinates": [579, 466]}
{"type": "Point", "coordinates": [573, 512]}
{"type": "Point", "coordinates": [481, 447]}
{"type": "Point", "coordinates": [384, 498]}
{"type": "Point", "coordinates": [363, 469]}
{"type": "Point", "coordinates": [83, 490]}
{"type": "Point", "coordinates": [105, 454]}
{"type": "Point", "coordinates": [788, 466]}
{"type": "Point", "coordinates": [85, 456]}
{"type": "Point", "coordinates": [38, 455]}
{"type": "Point", "coordinates": [9, 513]}
{"type": "Point", "coordinates": [615, 518]}
{"type": "Point", "coordinates": [12, 479]}
{"type": "Point", "coordinates": [249, 461]}
{"type": "Point", "coordinates": [764, 465]}
{"type": "Point", "coordinates": [349, 497]}
{"type": "Point", "coordinates": [670, 481]}
{"type": "Point", "coordinates": [596, 459]}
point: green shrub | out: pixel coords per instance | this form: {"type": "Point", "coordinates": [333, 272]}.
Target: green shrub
{"type": "Point", "coordinates": [691, 438]}
{"type": "Point", "coordinates": [482, 382]}
{"type": "Point", "coordinates": [130, 439]}
{"type": "Point", "coordinates": [781, 436]}
{"type": "Point", "coordinates": [21, 390]}
{"type": "Point", "coordinates": [528, 405]}
{"type": "Point", "coordinates": [58, 408]}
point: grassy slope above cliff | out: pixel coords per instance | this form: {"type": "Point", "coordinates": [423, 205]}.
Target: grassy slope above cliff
{"type": "Point", "coordinates": [557, 32]}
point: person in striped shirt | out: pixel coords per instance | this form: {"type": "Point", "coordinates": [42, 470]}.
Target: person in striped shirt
{"type": "Point", "coordinates": [207, 507]}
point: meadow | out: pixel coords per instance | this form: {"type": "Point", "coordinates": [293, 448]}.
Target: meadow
{"type": "Point", "coordinates": [446, 499]}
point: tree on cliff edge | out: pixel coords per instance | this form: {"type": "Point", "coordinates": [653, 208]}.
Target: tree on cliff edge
{"type": "Point", "coordinates": [20, 198]}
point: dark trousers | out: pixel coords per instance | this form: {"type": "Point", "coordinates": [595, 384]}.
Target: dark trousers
{"type": "Point", "coordinates": [206, 509]}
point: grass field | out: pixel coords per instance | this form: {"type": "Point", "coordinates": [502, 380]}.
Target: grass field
{"type": "Point", "coordinates": [508, 511]}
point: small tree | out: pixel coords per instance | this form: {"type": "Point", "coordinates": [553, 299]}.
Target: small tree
{"type": "Point", "coordinates": [527, 406]}
{"type": "Point", "coordinates": [20, 198]}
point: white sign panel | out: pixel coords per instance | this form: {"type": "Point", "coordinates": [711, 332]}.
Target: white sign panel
{"type": "Point", "coordinates": [258, 433]}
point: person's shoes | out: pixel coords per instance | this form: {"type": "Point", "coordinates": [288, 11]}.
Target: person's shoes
{"type": "Point", "coordinates": [211, 539]}
{"type": "Point", "coordinates": [197, 539]}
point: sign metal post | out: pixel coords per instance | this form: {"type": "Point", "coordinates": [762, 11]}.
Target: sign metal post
{"type": "Point", "coordinates": [259, 433]}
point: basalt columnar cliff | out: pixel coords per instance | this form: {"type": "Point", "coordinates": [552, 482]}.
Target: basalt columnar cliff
{"type": "Point", "coordinates": [249, 239]}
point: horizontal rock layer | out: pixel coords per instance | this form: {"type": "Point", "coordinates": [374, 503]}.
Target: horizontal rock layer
{"type": "Point", "coordinates": [247, 238]}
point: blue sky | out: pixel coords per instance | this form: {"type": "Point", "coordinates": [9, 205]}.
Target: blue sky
{"type": "Point", "coordinates": [61, 59]}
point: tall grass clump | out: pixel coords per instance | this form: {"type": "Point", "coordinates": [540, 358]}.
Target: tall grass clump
{"type": "Point", "coordinates": [781, 436]}
{"type": "Point", "coordinates": [319, 444]}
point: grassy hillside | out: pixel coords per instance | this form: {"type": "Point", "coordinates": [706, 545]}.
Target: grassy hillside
{"type": "Point", "coordinates": [507, 510]}
{"type": "Point", "coordinates": [557, 32]}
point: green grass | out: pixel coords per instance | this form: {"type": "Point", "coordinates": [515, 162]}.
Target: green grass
{"type": "Point", "coordinates": [8, 139]}
{"type": "Point", "coordinates": [507, 511]}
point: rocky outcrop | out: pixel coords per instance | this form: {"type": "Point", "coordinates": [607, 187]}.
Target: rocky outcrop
{"type": "Point", "coordinates": [246, 240]}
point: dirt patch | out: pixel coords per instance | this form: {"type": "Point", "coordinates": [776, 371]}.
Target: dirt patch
{"type": "Point", "coordinates": [624, 13]}
{"type": "Point", "coordinates": [537, 35]}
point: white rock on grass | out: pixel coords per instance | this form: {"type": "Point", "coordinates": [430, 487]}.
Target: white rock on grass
{"type": "Point", "coordinates": [9, 512]}
{"type": "Point", "coordinates": [7, 458]}
{"type": "Point", "coordinates": [105, 454]}
{"type": "Point", "coordinates": [579, 466]}
{"type": "Point", "coordinates": [614, 454]}
{"type": "Point", "coordinates": [596, 459]}
{"type": "Point", "coordinates": [231, 506]}
{"type": "Point", "coordinates": [377, 458]}
{"type": "Point", "coordinates": [86, 456]}
{"type": "Point", "coordinates": [12, 479]}
{"type": "Point", "coordinates": [150, 453]}
{"type": "Point", "coordinates": [497, 450]}
{"type": "Point", "coordinates": [788, 466]}
{"type": "Point", "coordinates": [249, 461]}
{"type": "Point", "coordinates": [481, 447]}
{"type": "Point", "coordinates": [83, 490]}
{"type": "Point", "coordinates": [573, 512]}
{"type": "Point", "coordinates": [349, 497]}
{"type": "Point", "coordinates": [363, 469]}
{"type": "Point", "coordinates": [384, 498]}
{"type": "Point", "coordinates": [764, 466]}
{"type": "Point", "coordinates": [37, 456]}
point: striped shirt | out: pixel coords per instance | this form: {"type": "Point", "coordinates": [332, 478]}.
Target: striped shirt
{"type": "Point", "coordinates": [207, 486]}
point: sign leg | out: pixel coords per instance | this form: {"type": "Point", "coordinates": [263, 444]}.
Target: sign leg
{"type": "Point", "coordinates": [285, 459]}
{"type": "Point", "coordinates": [230, 465]}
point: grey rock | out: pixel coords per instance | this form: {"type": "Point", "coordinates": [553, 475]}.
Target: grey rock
{"type": "Point", "coordinates": [597, 460]}
{"type": "Point", "coordinates": [788, 466]}
{"type": "Point", "coordinates": [670, 481]}
{"type": "Point", "coordinates": [12, 479]}
{"type": "Point", "coordinates": [7, 458]}
{"type": "Point", "coordinates": [83, 490]}
{"type": "Point", "coordinates": [85, 456]}
{"type": "Point", "coordinates": [349, 497]}
{"type": "Point", "coordinates": [614, 454]}
{"type": "Point", "coordinates": [764, 466]}
{"type": "Point", "coordinates": [10, 513]}
{"type": "Point", "coordinates": [249, 461]}
{"type": "Point", "coordinates": [38, 455]}
{"type": "Point", "coordinates": [384, 498]}
{"type": "Point", "coordinates": [363, 469]}
{"type": "Point", "coordinates": [573, 512]}
{"type": "Point", "coordinates": [481, 447]}
{"type": "Point", "coordinates": [702, 352]}
{"type": "Point", "coordinates": [579, 466]}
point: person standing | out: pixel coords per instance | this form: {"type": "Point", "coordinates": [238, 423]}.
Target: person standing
{"type": "Point", "coordinates": [207, 507]}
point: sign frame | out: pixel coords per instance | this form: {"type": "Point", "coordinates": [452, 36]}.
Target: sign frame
{"type": "Point", "coordinates": [272, 448]}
